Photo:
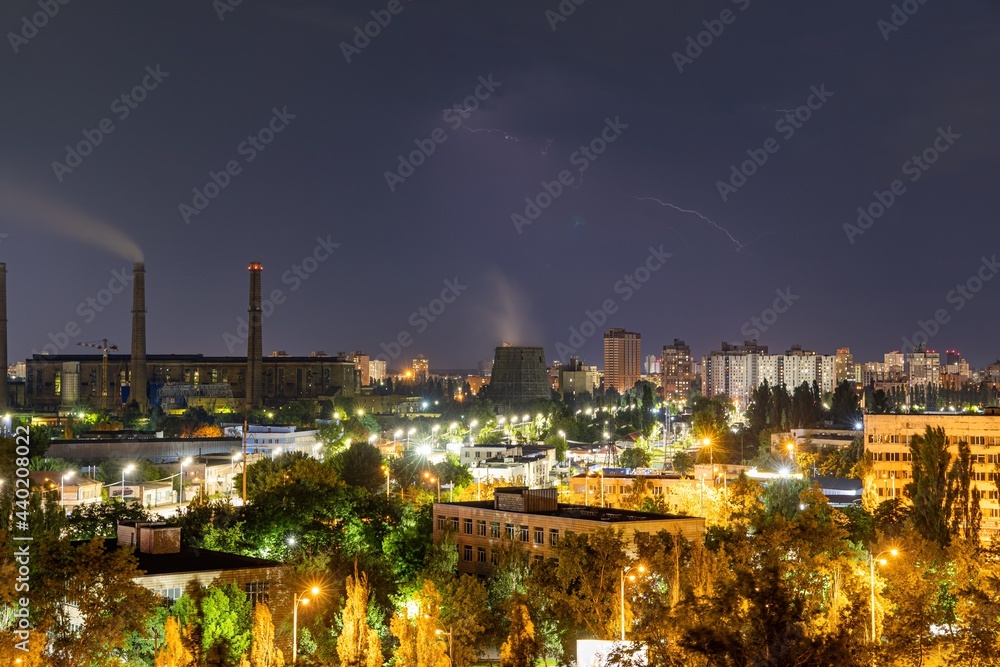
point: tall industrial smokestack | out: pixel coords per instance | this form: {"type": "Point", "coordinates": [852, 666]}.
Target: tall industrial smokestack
{"type": "Point", "coordinates": [137, 371]}
{"type": "Point", "coordinates": [255, 341]}
{"type": "Point", "coordinates": [3, 337]}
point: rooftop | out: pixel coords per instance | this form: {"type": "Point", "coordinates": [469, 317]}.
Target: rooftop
{"type": "Point", "coordinates": [582, 512]}
{"type": "Point", "coordinates": [191, 560]}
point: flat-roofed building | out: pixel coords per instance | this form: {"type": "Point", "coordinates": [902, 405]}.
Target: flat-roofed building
{"type": "Point", "coordinates": [536, 521]}
{"type": "Point", "coordinates": [678, 369]}
{"type": "Point", "coordinates": [71, 488]}
{"type": "Point", "coordinates": [813, 439]}
{"type": "Point", "coordinates": [888, 438]}
{"type": "Point", "coordinates": [622, 360]}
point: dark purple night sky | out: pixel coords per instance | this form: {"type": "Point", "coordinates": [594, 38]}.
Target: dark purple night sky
{"type": "Point", "coordinates": [214, 90]}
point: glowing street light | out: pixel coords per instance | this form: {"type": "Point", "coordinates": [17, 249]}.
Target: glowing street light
{"type": "Point", "coordinates": [434, 480]}
{"type": "Point", "coordinates": [184, 462]}
{"type": "Point", "coordinates": [299, 598]}
{"type": "Point", "coordinates": [398, 434]}
{"type": "Point", "coordinates": [641, 569]}
{"type": "Point", "coordinates": [128, 468]}
{"type": "Point", "coordinates": [62, 487]}
{"type": "Point", "coordinates": [871, 564]}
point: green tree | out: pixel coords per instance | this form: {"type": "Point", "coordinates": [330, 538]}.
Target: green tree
{"type": "Point", "coordinates": [226, 624]}
{"type": "Point", "coordinates": [683, 463]}
{"type": "Point", "coordinates": [361, 465]}
{"type": "Point", "coordinates": [634, 457]}
{"type": "Point", "coordinates": [929, 489]}
{"type": "Point", "coordinates": [962, 498]}
{"type": "Point", "coordinates": [91, 586]}
{"type": "Point", "coordinates": [580, 585]}
{"type": "Point", "coordinates": [464, 612]}
{"type": "Point", "coordinates": [522, 647]}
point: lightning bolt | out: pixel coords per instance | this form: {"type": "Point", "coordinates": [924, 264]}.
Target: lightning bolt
{"type": "Point", "coordinates": [492, 130]}
{"type": "Point", "coordinates": [739, 246]}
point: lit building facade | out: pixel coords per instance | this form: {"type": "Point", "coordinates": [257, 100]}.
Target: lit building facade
{"type": "Point", "coordinates": [622, 360]}
{"type": "Point", "coordinates": [535, 520]}
{"type": "Point", "coordinates": [678, 369]}
{"type": "Point", "coordinates": [888, 438]}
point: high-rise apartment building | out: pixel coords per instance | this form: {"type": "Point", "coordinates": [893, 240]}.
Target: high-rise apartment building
{"type": "Point", "coordinates": [678, 369]}
{"type": "Point", "coordinates": [378, 369]}
{"type": "Point", "coordinates": [421, 369]}
{"type": "Point", "coordinates": [844, 366]}
{"type": "Point", "coordinates": [923, 368]}
{"type": "Point", "coordinates": [622, 360]}
{"type": "Point", "coordinates": [736, 370]}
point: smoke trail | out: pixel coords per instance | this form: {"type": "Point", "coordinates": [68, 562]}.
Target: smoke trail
{"type": "Point", "coordinates": [508, 318]}
{"type": "Point", "coordinates": [22, 207]}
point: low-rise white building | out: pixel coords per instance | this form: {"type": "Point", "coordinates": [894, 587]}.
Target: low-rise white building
{"type": "Point", "coordinates": [274, 440]}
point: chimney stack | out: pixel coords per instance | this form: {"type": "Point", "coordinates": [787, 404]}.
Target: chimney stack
{"type": "Point", "coordinates": [3, 337]}
{"type": "Point", "coordinates": [255, 342]}
{"type": "Point", "coordinates": [137, 362]}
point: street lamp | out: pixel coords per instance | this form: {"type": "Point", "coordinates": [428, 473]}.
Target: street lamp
{"type": "Point", "coordinates": [299, 598]}
{"type": "Point", "coordinates": [232, 469]}
{"type": "Point", "coordinates": [62, 488]}
{"type": "Point", "coordinates": [871, 564]}
{"type": "Point", "coordinates": [434, 480]}
{"type": "Point", "coordinates": [451, 647]}
{"type": "Point", "coordinates": [128, 468]}
{"type": "Point", "coordinates": [631, 577]}
{"type": "Point", "coordinates": [711, 457]}
{"type": "Point", "coordinates": [408, 434]}
{"type": "Point", "coordinates": [184, 462]}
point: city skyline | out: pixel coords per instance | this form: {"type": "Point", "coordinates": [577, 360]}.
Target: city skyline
{"type": "Point", "coordinates": [228, 148]}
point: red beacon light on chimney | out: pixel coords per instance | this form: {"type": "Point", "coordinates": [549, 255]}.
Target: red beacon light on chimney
{"type": "Point", "coordinates": [255, 266]}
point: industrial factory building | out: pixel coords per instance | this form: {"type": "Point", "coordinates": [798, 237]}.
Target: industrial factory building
{"type": "Point", "coordinates": [54, 381]}
{"type": "Point", "coordinates": [519, 376]}
{"type": "Point", "coordinates": [69, 380]}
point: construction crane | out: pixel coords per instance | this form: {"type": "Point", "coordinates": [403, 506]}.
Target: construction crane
{"type": "Point", "coordinates": [104, 346]}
